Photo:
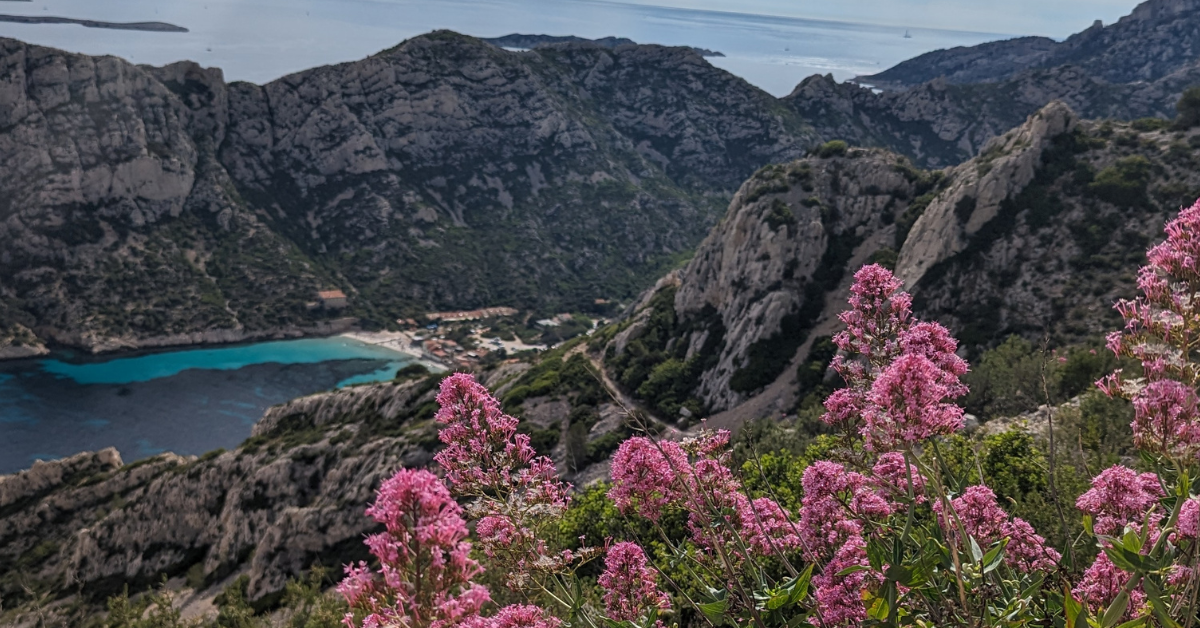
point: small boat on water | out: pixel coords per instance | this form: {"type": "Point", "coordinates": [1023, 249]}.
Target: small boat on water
{"type": "Point", "coordinates": [907, 35]}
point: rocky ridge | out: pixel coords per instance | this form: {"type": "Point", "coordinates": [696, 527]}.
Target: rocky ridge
{"type": "Point", "coordinates": [1037, 235]}
{"type": "Point", "coordinates": [1157, 39]}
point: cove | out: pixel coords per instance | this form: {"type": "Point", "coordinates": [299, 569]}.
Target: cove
{"type": "Point", "coordinates": [187, 401]}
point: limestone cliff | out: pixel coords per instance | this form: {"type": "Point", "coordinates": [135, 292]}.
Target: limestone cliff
{"type": "Point", "coordinates": [1037, 235]}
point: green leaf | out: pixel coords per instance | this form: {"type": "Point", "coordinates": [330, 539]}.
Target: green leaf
{"type": "Point", "coordinates": [995, 556]}
{"type": "Point", "coordinates": [1134, 623]}
{"type": "Point", "coordinates": [800, 588]}
{"type": "Point", "coordinates": [899, 573]}
{"type": "Point", "coordinates": [853, 569]}
{"type": "Point", "coordinates": [1161, 611]}
{"type": "Point", "coordinates": [714, 612]}
{"type": "Point", "coordinates": [976, 552]}
{"type": "Point", "coordinates": [1115, 611]}
{"type": "Point", "coordinates": [878, 610]}
{"type": "Point", "coordinates": [1076, 613]}
{"type": "Point", "coordinates": [876, 554]}
{"type": "Point", "coordinates": [1087, 525]}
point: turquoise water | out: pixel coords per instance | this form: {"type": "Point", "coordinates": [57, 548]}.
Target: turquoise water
{"type": "Point", "coordinates": [144, 368]}
{"type": "Point", "coordinates": [189, 401]}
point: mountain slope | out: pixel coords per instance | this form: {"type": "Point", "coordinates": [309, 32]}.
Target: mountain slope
{"type": "Point", "coordinates": [1157, 39]}
{"type": "Point", "coordinates": [162, 205]}
{"type": "Point", "coordinates": [1038, 235]}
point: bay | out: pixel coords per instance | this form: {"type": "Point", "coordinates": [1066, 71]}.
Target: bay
{"type": "Point", "coordinates": [261, 40]}
{"type": "Point", "coordinates": [187, 401]}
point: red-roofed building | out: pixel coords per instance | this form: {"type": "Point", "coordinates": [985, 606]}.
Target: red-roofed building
{"type": "Point", "coordinates": [332, 299]}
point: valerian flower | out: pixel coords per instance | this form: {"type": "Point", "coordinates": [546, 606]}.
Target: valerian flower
{"type": "Point", "coordinates": [630, 583]}
{"type": "Point", "coordinates": [425, 568]}
{"type": "Point", "coordinates": [900, 373]}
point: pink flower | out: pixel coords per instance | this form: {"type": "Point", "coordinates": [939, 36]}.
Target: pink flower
{"type": "Point", "coordinates": [1188, 523]}
{"type": "Point", "coordinates": [1100, 585]}
{"type": "Point", "coordinates": [425, 565]}
{"type": "Point", "coordinates": [648, 476]}
{"type": "Point", "coordinates": [984, 519]}
{"type": "Point", "coordinates": [834, 501]}
{"type": "Point", "coordinates": [900, 373]}
{"type": "Point", "coordinates": [1166, 419]}
{"type": "Point", "coordinates": [523, 616]}
{"type": "Point", "coordinates": [893, 475]}
{"type": "Point", "coordinates": [908, 404]}
{"type": "Point", "coordinates": [766, 526]}
{"type": "Point", "coordinates": [1119, 497]}
{"type": "Point", "coordinates": [839, 598]}
{"type": "Point", "coordinates": [517, 493]}
{"type": "Point", "coordinates": [630, 589]}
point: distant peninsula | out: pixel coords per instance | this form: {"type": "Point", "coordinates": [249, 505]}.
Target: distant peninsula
{"type": "Point", "coordinates": [532, 41]}
{"type": "Point", "coordinates": [161, 27]}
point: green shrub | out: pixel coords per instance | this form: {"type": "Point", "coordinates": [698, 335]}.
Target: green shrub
{"type": "Point", "coordinates": [1188, 109]}
{"type": "Point", "coordinates": [1123, 183]}
{"type": "Point", "coordinates": [833, 148]}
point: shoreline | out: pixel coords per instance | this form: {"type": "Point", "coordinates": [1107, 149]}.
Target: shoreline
{"type": "Point", "coordinates": [400, 342]}
{"type": "Point", "coordinates": [113, 348]}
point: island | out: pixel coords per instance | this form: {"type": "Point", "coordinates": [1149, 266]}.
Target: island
{"type": "Point", "coordinates": [527, 42]}
{"type": "Point", "coordinates": [160, 27]}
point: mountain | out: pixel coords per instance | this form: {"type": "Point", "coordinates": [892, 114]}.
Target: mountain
{"type": "Point", "coordinates": [1157, 39]}
{"type": "Point", "coordinates": [1036, 236]}
{"type": "Point", "coordinates": [163, 206]}
{"type": "Point", "coordinates": [154, 206]}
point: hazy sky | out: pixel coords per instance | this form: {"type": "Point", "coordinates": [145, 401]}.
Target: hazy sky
{"type": "Point", "coordinates": [1053, 18]}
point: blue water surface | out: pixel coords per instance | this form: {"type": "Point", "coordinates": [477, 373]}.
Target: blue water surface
{"type": "Point", "coordinates": [188, 401]}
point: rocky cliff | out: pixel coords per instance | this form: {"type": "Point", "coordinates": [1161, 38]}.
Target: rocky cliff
{"type": "Point", "coordinates": [1038, 235]}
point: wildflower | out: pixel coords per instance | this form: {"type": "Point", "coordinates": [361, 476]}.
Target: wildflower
{"type": "Point", "coordinates": [648, 476]}
{"type": "Point", "coordinates": [1119, 497]}
{"type": "Point", "coordinates": [907, 404]}
{"type": "Point", "coordinates": [893, 475]}
{"type": "Point", "coordinates": [1166, 419]}
{"type": "Point", "coordinates": [517, 493]}
{"type": "Point", "coordinates": [425, 565]}
{"type": "Point", "coordinates": [900, 373]}
{"type": "Point", "coordinates": [1100, 585]}
{"type": "Point", "coordinates": [629, 583]}
{"type": "Point", "coordinates": [1188, 523]}
{"type": "Point", "coordinates": [839, 598]}
{"type": "Point", "coordinates": [984, 519]}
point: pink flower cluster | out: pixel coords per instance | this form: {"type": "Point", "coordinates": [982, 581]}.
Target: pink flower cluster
{"type": "Point", "coordinates": [984, 519]}
{"type": "Point", "coordinates": [515, 616]}
{"type": "Point", "coordinates": [1119, 497]}
{"type": "Point", "coordinates": [1100, 585]}
{"type": "Point", "coordinates": [425, 565]}
{"type": "Point", "coordinates": [650, 476]}
{"type": "Point", "coordinates": [900, 373]}
{"type": "Point", "coordinates": [1160, 327]}
{"type": "Point", "coordinates": [516, 490]}
{"type": "Point", "coordinates": [629, 583]}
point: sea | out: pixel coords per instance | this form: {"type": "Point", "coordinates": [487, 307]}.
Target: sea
{"type": "Point", "coordinates": [261, 40]}
{"type": "Point", "coordinates": [186, 401]}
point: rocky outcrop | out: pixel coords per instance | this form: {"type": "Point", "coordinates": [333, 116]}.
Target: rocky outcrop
{"type": "Point", "coordinates": [1038, 236]}
{"type": "Point", "coordinates": [787, 237]}
{"type": "Point", "coordinates": [147, 205]}
{"type": "Point", "coordinates": [979, 187]}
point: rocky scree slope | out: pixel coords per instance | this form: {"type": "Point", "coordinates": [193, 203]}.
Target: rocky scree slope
{"type": "Point", "coordinates": [1038, 235]}
{"type": "Point", "coordinates": [160, 205]}
{"type": "Point", "coordinates": [290, 496]}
